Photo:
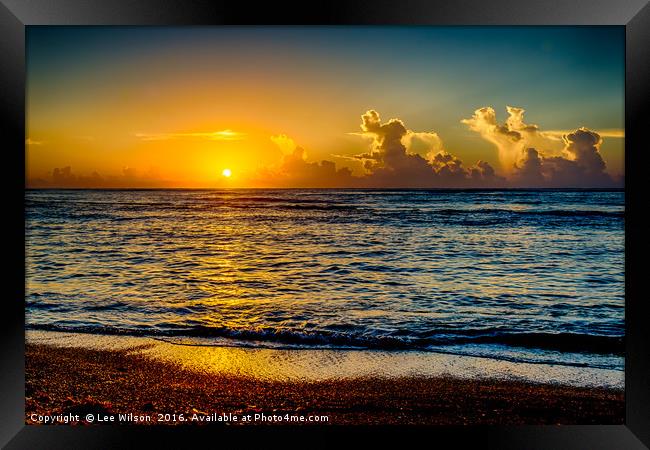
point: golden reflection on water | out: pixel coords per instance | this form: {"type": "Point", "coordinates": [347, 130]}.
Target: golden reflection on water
{"type": "Point", "coordinates": [313, 365]}
{"type": "Point", "coordinates": [415, 269]}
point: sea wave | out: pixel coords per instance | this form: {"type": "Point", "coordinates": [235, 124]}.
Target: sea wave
{"type": "Point", "coordinates": [333, 269]}
{"type": "Point", "coordinates": [565, 342]}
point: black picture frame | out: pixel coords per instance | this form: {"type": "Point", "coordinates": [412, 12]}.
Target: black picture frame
{"type": "Point", "coordinates": [634, 15]}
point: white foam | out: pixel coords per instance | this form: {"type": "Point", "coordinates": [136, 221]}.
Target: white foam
{"type": "Point", "coordinates": [313, 365]}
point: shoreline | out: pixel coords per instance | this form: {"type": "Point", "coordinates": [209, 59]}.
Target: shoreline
{"type": "Point", "coordinates": [319, 364]}
{"type": "Point", "coordinates": [132, 377]}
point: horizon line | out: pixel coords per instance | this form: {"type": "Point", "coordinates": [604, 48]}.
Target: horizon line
{"type": "Point", "coordinates": [325, 188]}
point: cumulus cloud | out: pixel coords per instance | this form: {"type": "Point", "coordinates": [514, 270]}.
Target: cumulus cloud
{"type": "Point", "coordinates": [423, 142]}
{"type": "Point", "coordinates": [394, 159]}
{"type": "Point", "coordinates": [529, 171]}
{"type": "Point", "coordinates": [388, 156]}
{"type": "Point", "coordinates": [581, 164]}
{"type": "Point", "coordinates": [392, 138]}
{"type": "Point", "coordinates": [582, 147]}
{"type": "Point", "coordinates": [512, 137]}
{"type": "Point", "coordinates": [536, 158]}
{"type": "Point", "coordinates": [294, 170]}
{"type": "Point", "coordinates": [483, 174]}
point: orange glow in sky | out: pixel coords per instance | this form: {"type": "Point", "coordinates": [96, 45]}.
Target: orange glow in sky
{"type": "Point", "coordinates": [282, 107]}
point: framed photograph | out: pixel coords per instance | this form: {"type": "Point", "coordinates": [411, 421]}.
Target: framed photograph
{"type": "Point", "coordinates": [375, 219]}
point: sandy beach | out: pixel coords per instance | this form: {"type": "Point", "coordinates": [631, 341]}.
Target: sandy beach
{"type": "Point", "coordinates": [129, 385]}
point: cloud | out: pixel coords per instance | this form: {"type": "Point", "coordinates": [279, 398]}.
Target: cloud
{"type": "Point", "coordinates": [222, 135]}
{"type": "Point", "coordinates": [512, 137]}
{"type": "Point", "coordinates": [294, 170]}
{"type": "Point", "coordinates": [393, 138]}
{"type": "Point", "coordinates": [580, 166]}
{"type": "Point", "coordinates": [30, 141]}
{"type": "Point", "coordinates": [285, 143]}
{"type": "Point", "coordinates": [529, 171]}
{"type": "Point", "coordinates": [604, 133]}
{"type": "Point", "coordinates": [427, 142]}
{"type": "Point", "coordinates": [64, 177]}
{"type": "Point", "coordinates": [397, 157]}
{"type": "Point", "coordinates": [582, 147]}
{"type": "Point", "coordinates": [394, 159]}
{"type": "Point", "coordinates": [388, 155]}
{"type": "Point", "coordinates": [533, 157]}
{"type": "Point", "coordinates": [483, 174]}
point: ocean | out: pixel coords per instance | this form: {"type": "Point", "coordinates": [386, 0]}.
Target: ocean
{"type": "Point", "coordinates": [531, 276]}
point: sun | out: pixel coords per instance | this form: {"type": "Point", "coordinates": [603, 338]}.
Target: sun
{"type": "Point", "coordinates": [226, 173]}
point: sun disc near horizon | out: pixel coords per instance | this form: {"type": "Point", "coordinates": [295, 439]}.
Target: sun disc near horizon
{"type": "Point", "coordinates": [226, 173]}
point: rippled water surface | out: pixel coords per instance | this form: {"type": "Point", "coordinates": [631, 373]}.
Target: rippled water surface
{"type": "Point", "coordinates": [532, 276]}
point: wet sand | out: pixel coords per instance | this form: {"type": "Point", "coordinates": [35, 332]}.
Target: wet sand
{"type": "Point", "coordinates": [74, 382]}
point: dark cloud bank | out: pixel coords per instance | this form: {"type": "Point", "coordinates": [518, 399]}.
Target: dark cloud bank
{"type": "Point", "coordinates": [65, 178]}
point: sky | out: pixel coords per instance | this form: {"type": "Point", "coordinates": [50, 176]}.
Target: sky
{"type": "Point", "coordinates": [325, 106]}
